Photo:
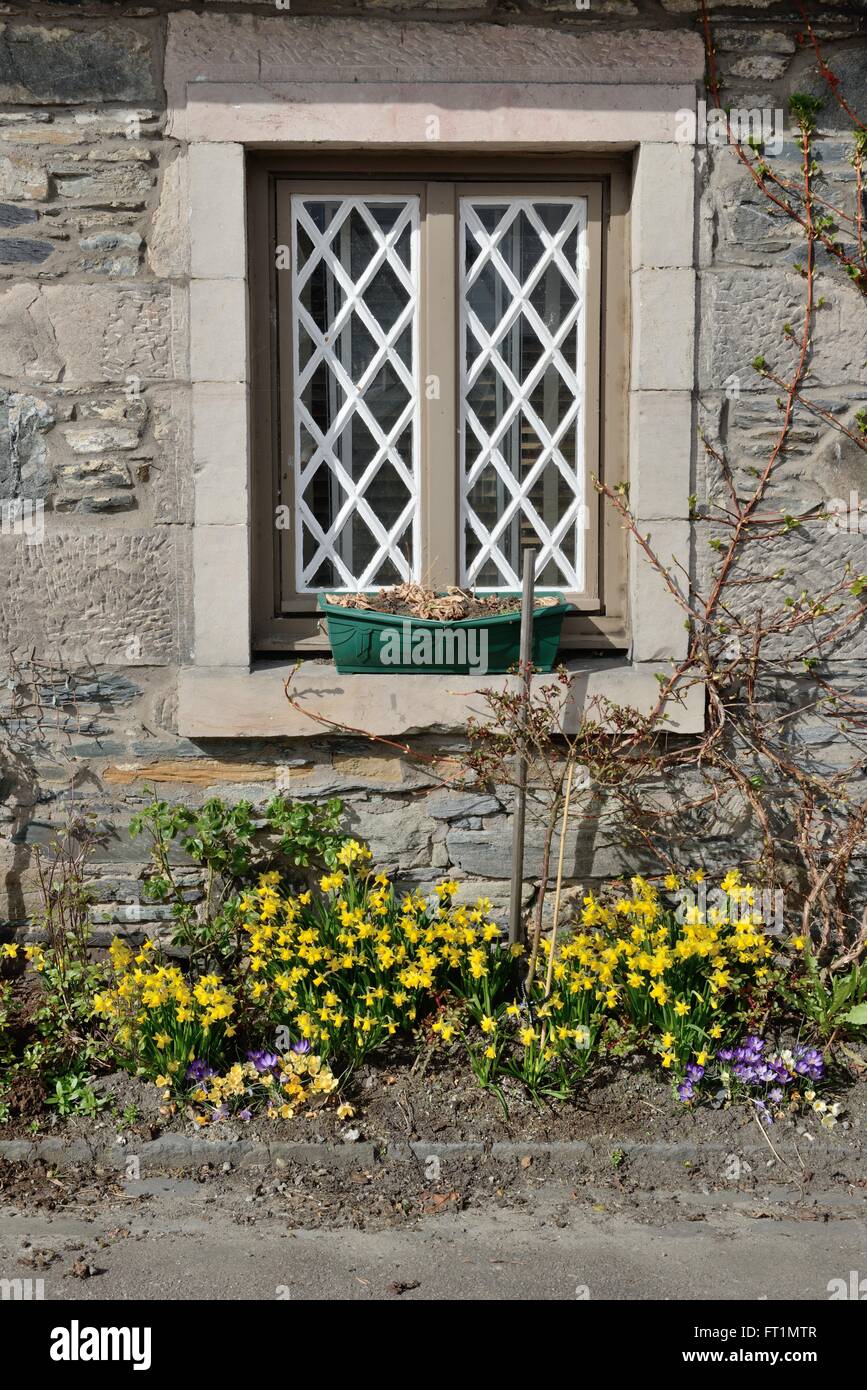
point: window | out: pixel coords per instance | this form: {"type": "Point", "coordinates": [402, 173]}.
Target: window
{"type": "Point", "coordinates": [524, 308]}
{"type": "Point", "coordinates": [431, 395]}
{"type": "Point", "coordinates": [355, 390]}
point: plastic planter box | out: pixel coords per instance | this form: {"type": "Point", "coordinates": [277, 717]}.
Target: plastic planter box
{"type": "Point", "coordinates": [366, 641]}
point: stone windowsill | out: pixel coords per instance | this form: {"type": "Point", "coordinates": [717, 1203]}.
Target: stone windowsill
{"type": "Point", "coordinates": [239, 702]}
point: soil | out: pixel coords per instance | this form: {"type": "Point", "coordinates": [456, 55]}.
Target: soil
{"type": "Point", "coordinates": [450, 605]}
{"type": "Point", "coordinates": [399, 1099]}
{"type": "Point", "coordinates": [794, 1170]}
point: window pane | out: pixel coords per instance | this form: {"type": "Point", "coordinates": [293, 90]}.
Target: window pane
{"type": "Point", "coordinates": [355, 390]}
{"type": "Point", "coordinates": [522, 366]}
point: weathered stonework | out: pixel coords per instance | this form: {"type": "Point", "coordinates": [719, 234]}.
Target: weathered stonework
{"type": "Point", "coordinates": [98, 409]}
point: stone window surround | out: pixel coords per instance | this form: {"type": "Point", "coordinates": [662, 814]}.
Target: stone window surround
{"type": "Point", "coordinates": [221, 694]}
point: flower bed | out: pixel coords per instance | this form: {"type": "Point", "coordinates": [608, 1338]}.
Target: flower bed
{"type": "Point", "coordinates": [289, 992]}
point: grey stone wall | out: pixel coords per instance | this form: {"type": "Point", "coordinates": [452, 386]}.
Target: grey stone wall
{"type": "Point", "coordinates": [94, 427]}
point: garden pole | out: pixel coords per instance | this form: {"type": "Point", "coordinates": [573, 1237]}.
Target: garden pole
{"type": "Point", "coordinates": [526, 670]}
{"type": "Point", "coordinates": [549, 979]}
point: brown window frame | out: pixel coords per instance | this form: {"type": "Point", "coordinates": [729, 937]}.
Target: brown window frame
{"type": "Point", "coordinates": [602, 622]}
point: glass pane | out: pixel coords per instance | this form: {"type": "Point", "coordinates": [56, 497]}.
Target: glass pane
{"type": "Point", "coordinates": [355, 299]}
{"type": "Point", "coordinates": [522, 364]}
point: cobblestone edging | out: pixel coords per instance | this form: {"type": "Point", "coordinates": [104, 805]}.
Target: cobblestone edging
{"type": "Point", "coordinates": [173, 1152]}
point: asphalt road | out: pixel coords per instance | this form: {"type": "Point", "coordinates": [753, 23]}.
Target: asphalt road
{"type": "Point", "coordinates": [181, 1239]}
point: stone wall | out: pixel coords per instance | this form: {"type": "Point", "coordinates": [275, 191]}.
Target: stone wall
{"type": "Point", "coordinates": [94, 426]}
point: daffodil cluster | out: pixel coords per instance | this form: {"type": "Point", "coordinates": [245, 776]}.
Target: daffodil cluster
{"type": "Point", "coordinates": [160, 1019]}
{"type": "Point", "coordinates": [545, 1038]}
{"type": "Point", "coordinates": [665, 962]}
{"type": "Point", "coordinates": [351, 966]}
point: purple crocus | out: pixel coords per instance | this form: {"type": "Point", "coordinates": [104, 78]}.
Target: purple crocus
{"type": "Point", "coordinates": [199, 1070]}
{"type": "Point", "coordinates": [809, 1062]}
{"type": "Point", "coordinates": [263, 1060]}
{"type": "Point", "coordinates": [302, 1046]}
{"type": "Point", "coordinates": [686, 1090]}
{"type": "Point", "coordinates": [753, 1065]}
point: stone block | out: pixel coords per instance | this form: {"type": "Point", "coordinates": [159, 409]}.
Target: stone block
{"type": "Point", "coordinates": [89, 596]}
{"type": "Point", "coordinates": [658, 620]}
{"type": "Point", "coordinates": [446, 804]}
{"type": "Point", "coordinates": [52, 65]}
{"type": "Point", "coordinates": [86, 440]}
{"type": "Point", "coordinates": [744, 315]}
{"type": "Point", "coordinates": [24, 422]}
{"type": "Point", "coordinates": [115, 185]}
{"type": "Point", "coordinates": [23, 251]}
{"type": "Point", "coordinates": [21, 177]}
{"type": "Point", "coordinates": [218, 330]}
{"type": "Point", "coordinates": [849, 65]}
{"type": "Point", "coordinates": [663, 221]}
{"type": "Point", "coordinates": [85, 333]}
{"type": "Point", "coordinates": [168, 245]}
{"type": "Point", "coordinates": [660, 453]}
{"type": "Point", "coordinates": [220, 451]}
{"type": "Point", "coordinates": [222, 615]}
{"type": "Point", "coordinates": [400, 837]}
{"type": "Point", "coordinates": [484, 853]}
{"type": "Point", "coordinates": [663, 334]}
{"type": "Point", "coordinates": [12, 216]}
{"type": "Point", "coordinates": [171, 476]}
{"type": "Point", "coordinates": [113, 252]}
{"type": "Point", "coordinates": [104, 472]}
{"type": "Point", "coordinates": [218, 247]}
{"type": "Point", "coordinates": [28, 347]}
{"type": "Point", "coordinates": [229, 48]}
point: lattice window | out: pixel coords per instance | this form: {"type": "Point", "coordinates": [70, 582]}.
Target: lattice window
{"type": "Point", "coordinates": [522, 271]}
{"type": "Point", "coordinates": [437, 348]}
{"type": "Point", "coordinates": [355, 390]}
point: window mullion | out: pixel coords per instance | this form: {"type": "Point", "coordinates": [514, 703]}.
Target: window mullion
{"type": "Point", "coordinates": [439, 395]}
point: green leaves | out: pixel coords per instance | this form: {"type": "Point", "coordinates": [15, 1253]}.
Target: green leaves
{"type": "Point", "coordinates": [805, 109]}
{"type": "Point", "coordinates": [232, 845]}
{"type": "Point", "coordinates": [72, 1096]}
{"type": "Point", "coordinates": [857, 1017]}
{"type": "Point", "coordinates": [308, 831]}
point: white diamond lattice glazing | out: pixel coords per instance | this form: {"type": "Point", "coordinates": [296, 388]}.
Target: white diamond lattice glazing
{"type": "Point", "coordinates": [522, 278]}
{"type": "Point", "coordinates": [355, 390]}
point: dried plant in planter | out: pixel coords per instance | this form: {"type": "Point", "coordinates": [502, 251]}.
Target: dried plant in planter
{"type": "Point", "coordinates": [452, 605]}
